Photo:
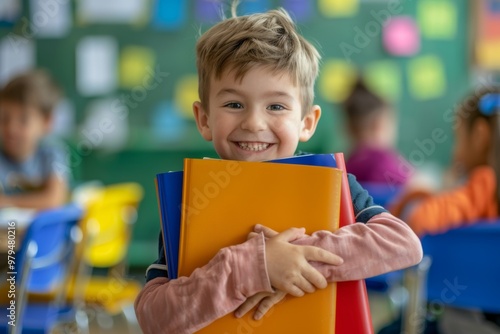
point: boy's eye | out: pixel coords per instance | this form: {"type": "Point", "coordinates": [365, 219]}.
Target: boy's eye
{"type": "Point", "coordinates": [233, 105]}
{"type": "Point", "coordinates": [276, 107]}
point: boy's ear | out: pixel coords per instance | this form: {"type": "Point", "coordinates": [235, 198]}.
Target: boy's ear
{"type": "Point", "coordinates": [309, 123]}
{"type": "Point", "coordinates": [202, 122]}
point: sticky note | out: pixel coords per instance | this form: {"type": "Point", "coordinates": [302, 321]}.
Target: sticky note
{"type": "Point", "coordinates": [17, 55]}
{"type": "Point", "coordinates": [338, 8]}
{"type": "Point", "coordinates": [336, 80]}
{"type": "Point", "coordinates": [401, 36]}
{"type": "Point", "coordinates": [488, 54]}
{"type": "Point", "coordinates": [208, 11]}
{"type": "Point", "coordinates": [186, 92]}
{"type": "Point", "coordinates": [166, 122]}
{"type": "Point", "coordinates": [169, 15]}
{"type": "Point", "coordinates": [49, 19]}
{"type": "Point", "coordinates": [10, 11]}
{"type": "Point", "coordinates": [426, 77]}
{"type": "Point", "coordinates": [437, 18]}
{"type": "Point", "coordinates": [384, 78]}
{"type": "Point", "coordinates": [136, 65]}
{"type": "Point", "coordinates": [299, 10]}
{"type": "Point", "coordinates": [111, 11]}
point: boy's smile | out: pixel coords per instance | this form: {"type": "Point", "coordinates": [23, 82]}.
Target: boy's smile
{"type": "Point", "coordinates": [256, 118]}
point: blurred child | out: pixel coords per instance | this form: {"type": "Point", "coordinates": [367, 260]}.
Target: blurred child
{"type": "Point", "coordinates": [28, 165]}
{"type": "Point", "coordinates": [256, 87]}
{"type": "Point", "coordinates": [477, 153]}
{"type": "Point", "coordinates": [372, 128]}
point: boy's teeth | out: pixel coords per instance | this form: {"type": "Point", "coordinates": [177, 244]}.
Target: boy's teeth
{"type": "Point", "coordinates": [253, 146]}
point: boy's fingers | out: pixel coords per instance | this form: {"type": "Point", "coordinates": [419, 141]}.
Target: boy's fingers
{"type": "Point", "coordinates": [315, 278]}
{"type": "Point", "coordinates": [252, 235]}
{"type": "Point", "coordinates": [292, 289]}
{"type": "Point", "coordinates": [305, 285]}
{"type": "Point", "coordinates": [313, 253]}
{"type": "Point", "coordinates": [249, 304]}
{"type": "Point", "coordinates": [267, 303]}
{"type": "Point", "coordinates": [291, 234]}
{"type": "Point", "coordinates": [268, 232]}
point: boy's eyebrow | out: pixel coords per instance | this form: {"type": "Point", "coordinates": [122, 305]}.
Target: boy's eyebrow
{"type": "Point", "coordinates": [273, 93]}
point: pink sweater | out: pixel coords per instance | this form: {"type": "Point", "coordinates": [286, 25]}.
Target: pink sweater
{"type": "Point", "coordinates": [187, 304]}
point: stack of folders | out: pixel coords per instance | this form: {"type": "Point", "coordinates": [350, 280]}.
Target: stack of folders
{"type": "Point", "coordinates": [214, 204]}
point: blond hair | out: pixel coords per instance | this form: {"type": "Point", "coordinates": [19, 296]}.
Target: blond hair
{"type": "Point", "coordinates": [266, 39]}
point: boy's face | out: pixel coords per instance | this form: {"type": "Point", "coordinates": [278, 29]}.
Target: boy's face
{"type": "Point", "coordinates": [21, 128]}
{"type": "Point", "coordinates": [257, 118]}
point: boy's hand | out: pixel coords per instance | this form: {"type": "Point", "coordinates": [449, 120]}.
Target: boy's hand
{"type": "Point", "coordinates": [288, 266]}
{"type": "Point", "coordinates": [266, 300]}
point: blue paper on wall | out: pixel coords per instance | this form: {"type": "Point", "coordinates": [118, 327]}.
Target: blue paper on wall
{"type": "Point", "coordinates": [169, 15]}
{"type": "Point", "coordinates": [300, 10]}
{"type": "Point", "coordinates": [253, 6]}
{"type": "Point", "coordinates": [208, 11]}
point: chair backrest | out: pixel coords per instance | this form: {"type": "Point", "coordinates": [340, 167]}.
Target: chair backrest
{"type": "Point", "coordinates": [465, 270]}
{"type": "Point", "coordinates": [107, 222]}
{"type": "Point", "coordinates": [51, 232]}
{"type": "Point", "coordinates": [383, 193]}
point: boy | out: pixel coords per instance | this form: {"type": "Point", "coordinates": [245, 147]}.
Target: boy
{"type": "Point", "coordinates": [256, 87]}
{"type": "Point", "coordinates": [28, 176]}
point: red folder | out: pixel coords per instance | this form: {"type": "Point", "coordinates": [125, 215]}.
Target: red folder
{"type": "Point", "coordinates": [353, 310]}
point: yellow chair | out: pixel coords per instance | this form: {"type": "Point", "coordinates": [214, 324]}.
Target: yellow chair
{"type": "Point", "coordinates": [109, 213]}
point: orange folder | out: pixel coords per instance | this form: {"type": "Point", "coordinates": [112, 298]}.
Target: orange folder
{"type": "Point", "coordinates": [222, 202]}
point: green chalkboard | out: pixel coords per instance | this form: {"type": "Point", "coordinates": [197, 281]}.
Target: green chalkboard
{"type": "Point", "coordinates": [146, 154]}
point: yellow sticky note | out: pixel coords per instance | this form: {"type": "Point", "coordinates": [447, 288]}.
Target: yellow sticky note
{"type": "Point", "coordinates": [338, 8]}
{"type": "Point", "coordinates": [427, 79]}
{"type": "Point", "coordinates": [136, 66]}
{"type": "Point", "coordinates": [437, 18]}
{"type": "Point", "coordinates": [186, 92]}
{"type": "Point", "coordinates": [488, 54]}
{"type": "Point", "coordinates": [384, 78]}
{"type": "Point", "coordinates": [336, 80]}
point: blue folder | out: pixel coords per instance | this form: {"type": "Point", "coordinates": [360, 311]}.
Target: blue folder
{"type": "Point", "coordinates": [169, 193]}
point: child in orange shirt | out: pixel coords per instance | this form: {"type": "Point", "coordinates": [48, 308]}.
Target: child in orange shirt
{"type": "Point", "coordinates": [477, 156]}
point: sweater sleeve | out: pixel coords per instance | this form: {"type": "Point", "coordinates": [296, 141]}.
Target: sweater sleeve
{"type": "Point", "coordinates": [187, 304]}
{"type": "Point", "coordinates": [383, 244]}
{"type": "Point", "coordinates": [473, 201]}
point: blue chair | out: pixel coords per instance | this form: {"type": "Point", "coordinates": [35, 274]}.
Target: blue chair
{"type": "Point", "coordinates": [42, 265]}
{"type": "Point", "coordinates": [463, 272]}
{"type": "Point", "coordinates": [383, 194]}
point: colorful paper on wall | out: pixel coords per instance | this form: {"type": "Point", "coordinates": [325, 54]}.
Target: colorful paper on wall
{"type": "Point", "coordinates": [136, 64]}
{"type": "Point", "coordinates": [96, 68]}
{"type": "Point", "coordinates": [50, 18]}
{"type": "Point", "coordinates": [488, 54]}
{"type": "Point", "coordinates": [437, 18]}
{"type": "Point", "coordinates": [167, 123]}
{"type": "Point", "coordinates": [112, 11]}
{"type": "Point", "coordinates": [186, 92]}
{"type": "Point", "coordinates": [336, 80]}
{"type": "Point", "coordinates": [427, 79]}
{"type": "Point", "coordinates": [401, 36]}
{"type": "Point", "coordinates": [64, 119]}
{"type": "Point", "coordinates": [338, 8]}
{"type": "Point", "coordinates": [208, 10]}
{"type": "Point", "coordinates": [487, 39]}
{"type": "Point", "coordinates": [384, 78]}
{"type": "Point", "coordinates": [10, 11]}
{"type": "Point", "coordinates": [169, 15]}
{"type": "Point", "coordinates": [17, 55]}
{"type": "Point", "coordinates": [105, 126]}
{"type": "Point", "coordinates": [300, 10]}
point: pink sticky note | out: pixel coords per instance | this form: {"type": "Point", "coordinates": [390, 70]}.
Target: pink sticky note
{"type": "Point", "coordinates": [401, 36]}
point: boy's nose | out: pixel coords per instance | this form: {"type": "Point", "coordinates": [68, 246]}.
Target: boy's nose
{"type": "Point", "coordinates": [253, 121]}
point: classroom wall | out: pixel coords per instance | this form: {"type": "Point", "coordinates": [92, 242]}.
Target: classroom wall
{"type": "Point", "coordinates": [130, 78]}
